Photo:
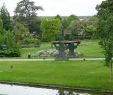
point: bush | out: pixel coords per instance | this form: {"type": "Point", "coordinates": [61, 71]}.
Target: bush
{"type": "Point", "coordinates": [10, 53]}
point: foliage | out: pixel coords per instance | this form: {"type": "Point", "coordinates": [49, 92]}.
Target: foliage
{"type": "Point", "coordinates": [90, 31]}
{"type": "Point", "coordinates": [90, 27]}
{"type": "Point", "coordinates": [26, 8]}
{"type": "Point", "coordinates": [1, 26]}
{"type": "Point", "coordinates": [20, 32]}
{"type": "Point", "coordinates": [72, 18]}
{"type": "Point", "coordinates": [76, 29]}
{"type": "Point", "coordinates": [5, 16]}
{"type": "Point", "coordinates": [67, 21]}
{"type": "Point", "coordinates": [22, 35]}
{"type": "Point", "coordinates": [26, 13]}
{"type": "Point", "coordinates": [105, 30]}
{"type": "Point", "coordinates": [50, 29]}
{"type": "Point", "coordinates": [8, 45]}
{"type": "Point", "coordinates": [10, 53]}
{"type": "Point", "coordinates": [58, 17]}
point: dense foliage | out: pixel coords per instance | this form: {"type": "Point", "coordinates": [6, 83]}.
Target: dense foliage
{"type": "Point", "coordinates": [8, 45]}
{"type": "Point", "coordinates": [5, 16]}
{"type": "Point", "coordinates": [105, 29]}
{"type": "Point", "coordinates": [50, 29]}
{"type": "Point", "coordinates": [26, 13]}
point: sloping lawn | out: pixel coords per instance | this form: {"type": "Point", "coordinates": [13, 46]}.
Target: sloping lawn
{"type": "Point", "coordinates": [88, 49]}
{"type": "Point", "coordinates": [85, 74]}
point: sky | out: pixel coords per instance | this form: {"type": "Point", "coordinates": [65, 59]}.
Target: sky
{"type": "Point", "coordinates": [61, 7]}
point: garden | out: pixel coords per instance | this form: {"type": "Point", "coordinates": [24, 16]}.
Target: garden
{"type": "Point", "coordinates": [28, 36]}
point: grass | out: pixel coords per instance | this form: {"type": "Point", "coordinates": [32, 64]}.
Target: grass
{"type": "Point", "coordinates": [25, 51]}
{"type": "Point", "coordinates": [85, 74]}
{"type": "Point", "coordinates": [89, 49]}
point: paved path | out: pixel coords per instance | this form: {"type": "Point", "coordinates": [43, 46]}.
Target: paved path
{"type": "Point", "coordinates": [50, 59]}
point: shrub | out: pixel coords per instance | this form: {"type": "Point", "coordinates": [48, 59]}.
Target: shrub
{"type": "Point", "coordinates": [10, 53]}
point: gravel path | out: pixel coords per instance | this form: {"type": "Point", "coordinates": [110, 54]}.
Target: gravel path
{"type": "Point", "coordinates": [51, 59]}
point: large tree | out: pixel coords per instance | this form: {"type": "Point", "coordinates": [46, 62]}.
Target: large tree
{"type": "Point", "coordinates": [26, 13]}
{"type": "Point", "coordinates": [105, 30]}
{"type": "Point", "coordinates": [5, 16]}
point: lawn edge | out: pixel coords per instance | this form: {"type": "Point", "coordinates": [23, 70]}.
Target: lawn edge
{"type": "Point", "coordinates": [50, 86]}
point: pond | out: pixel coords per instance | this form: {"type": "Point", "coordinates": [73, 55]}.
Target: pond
{"type": "Point", "coordinates": [6, 89]}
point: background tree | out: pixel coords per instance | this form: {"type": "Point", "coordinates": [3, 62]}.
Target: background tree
{"type": "Point", "coordinates": [5, 16]}
{"type": "Point", "coordinates": [26, 13]}
{"type": "Point", "coordinates": [105, 30]}
{"type": "Point", "coordinates": [90, 26]}
{"type": "Point", "coordinates": [76, 28]}
{"type": "Point", "coordinates": [22, 35]}
{"type": "Point", "coordinates": [72, 18]}
{"type": "Point", "coordinates": [8, 45]}
{"type": "Point", "coordinates": [58, 17]}
{"type": "Point", "coordinates": [1, 32]}
{"type": "Point", "coordinates": [1, 26]}
{"type": "Point", "coordinates": [50, 29]}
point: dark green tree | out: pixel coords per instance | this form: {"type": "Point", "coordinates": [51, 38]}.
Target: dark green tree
{"type": "Point", "coordinates": [58, 17]}
{"type": "Point", "coordinates": [72, 18]}
{"type": "Point", "coordinates": [5, 16]}
{"type": "Point", "coordinates": [26, 13]}
{"type": "Point", "coordinates": [1, 26]}
{"type": "Point", "coordinates": [105, 30]}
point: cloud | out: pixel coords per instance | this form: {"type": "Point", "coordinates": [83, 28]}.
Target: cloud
{"type": "Point", "coordinates": [62, 7]}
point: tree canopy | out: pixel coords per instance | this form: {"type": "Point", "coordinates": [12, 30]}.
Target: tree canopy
{"type": "Point", "coordinates": [5, 16]}
{"type": "Point", "coordinates": [26, 13]}
{"type": "Point", "coordinates": [50, 29]}
{"type": "Point", "coordinates": [105, 29]}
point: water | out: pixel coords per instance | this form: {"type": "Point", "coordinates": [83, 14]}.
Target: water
{"type": "Point", "coordinates": [25, 90]}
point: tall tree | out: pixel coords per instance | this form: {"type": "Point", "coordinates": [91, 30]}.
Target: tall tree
{"type": "Point", "coordinates": [26, 13]}
{"type": "Point", "coordinates": [105, 30]}
{"type": "Point", "coordinates": [5, 16]}
{"type": "Point", "coordinates": [50, 29]}
{"type": "Point", "coordinates": [1, 26]}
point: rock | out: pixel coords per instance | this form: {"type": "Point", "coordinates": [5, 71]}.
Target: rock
{"type": "Point", "coordinates": [46, 53]}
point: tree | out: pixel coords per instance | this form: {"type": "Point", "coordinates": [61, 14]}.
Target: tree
{"type": "Point", "coordinates": [66, 21]}
{"type": "Point", "coordinates": [22, 35]}
{"type": "Point", "coordinates": [1, 26]}
{"type": "Point", "coordinates": [58, 17]}
{"type": "Point", "coordinates": [50, 29]}
{"type": "Point", "coordinates": [26, 13]}
{"type": "Point", "coordinates": [90, 31]}
{"type": "Point", "coordinates": [1, 32]}
{"type": "Point", "coordinates": [5, 16]}
{"type": "Point", "coordinates": [105, 30]}
{"type": "Point", "coordinates": [72, 18]}
{"type": "Point", "coordinates": [26, 8]}
{"type": "Point", "coordinates": [20, 32]}
{"type": "Point", "coordinates": [76, 29]}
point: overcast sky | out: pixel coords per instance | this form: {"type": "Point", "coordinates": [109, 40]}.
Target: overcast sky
{"type": "Point", "coordinates": [61, 7]}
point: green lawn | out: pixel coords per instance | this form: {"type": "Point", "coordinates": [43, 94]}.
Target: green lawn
{"type": "Point", "coordinates": [25, 51]}
{"type": "Point", "coordinates": [88, 48]}
{"type": "Point", "coordinates": [87, 74]}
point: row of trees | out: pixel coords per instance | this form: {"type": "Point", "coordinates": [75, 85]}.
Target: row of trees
{"type": "Point", "coordinates": [28, 28]}
{"type": "Point", "coordinates": [8, 45]}
{"type": "Point", "coordinates": [73, 26]}
{"type": "Point", "coordinates": [21, 29]}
